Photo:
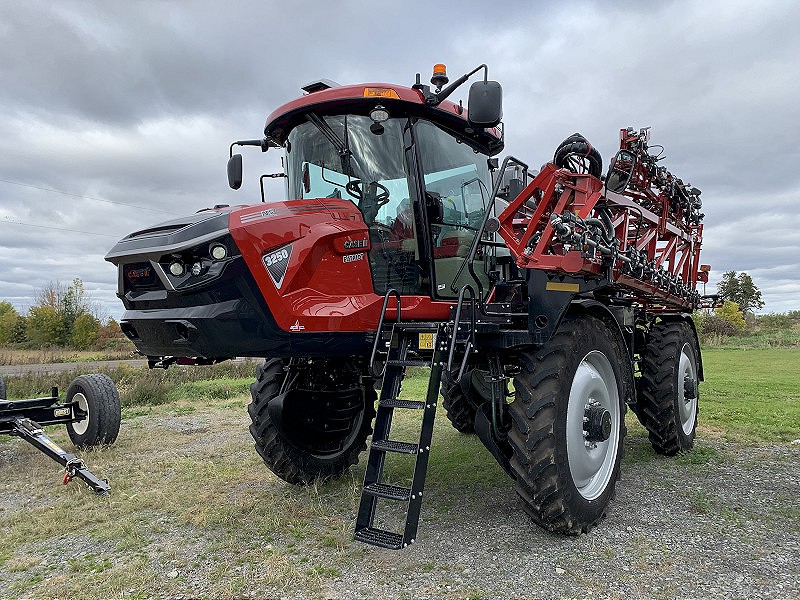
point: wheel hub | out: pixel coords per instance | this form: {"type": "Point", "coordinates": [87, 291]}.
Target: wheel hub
{"type": "Point", "coordinates": [596, 423]}
{"type": "Point", "coordinates": [593, 425]}
{"type": "Point", "coordinates": [689, 388]}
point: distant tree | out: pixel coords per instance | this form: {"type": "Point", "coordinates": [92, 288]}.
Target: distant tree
{"type": "Point", "coordinates": [741, 290]}
{"type": "Point", "coordinates": [729, 312]}
{"type": "Point", "coordinates": [8, 319]}
{"type": "Point", "coordinates": [45, 327]}
{"type": "Point", "coordinates": [84, 331]}
{"type": "Point", "coordinates": [18, 333]}
{"type": "Point", "coordinates": [110, 331]}
{"type": "Point", "coordinates": [52, 320]}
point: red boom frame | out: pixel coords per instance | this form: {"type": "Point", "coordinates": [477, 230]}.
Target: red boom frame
{"type": "Point", "coordinates": [562, 222]}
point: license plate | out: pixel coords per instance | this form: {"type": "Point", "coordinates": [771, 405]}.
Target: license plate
{"type": "Point", "coordinates": [425, 341]}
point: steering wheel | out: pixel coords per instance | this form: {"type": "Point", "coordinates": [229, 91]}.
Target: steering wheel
{"type": "Point", "coordinates": [353, 188]}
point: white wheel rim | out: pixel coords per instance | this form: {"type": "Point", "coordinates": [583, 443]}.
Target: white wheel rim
{"type": "Point", "coordinates": [592, 463]}
{"type": "Point", "coordinates": [687, 407]}
{"type": "Point", "coordinates": [80, 427]}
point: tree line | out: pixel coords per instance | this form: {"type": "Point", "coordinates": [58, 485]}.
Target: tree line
{"type": "Point", "coordinates": [66, 316]}
{"type": "Point", "coordinates": [741, 298]}
{"type": "Point", "coordinates": [63, 316]}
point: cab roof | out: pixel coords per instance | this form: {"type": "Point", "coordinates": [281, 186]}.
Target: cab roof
{"type": "Point", "coordinates": [399, 100]}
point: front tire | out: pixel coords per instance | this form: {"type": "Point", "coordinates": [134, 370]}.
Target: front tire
{"type": "Point", "coordinates": [668, 387]}
{"type": "Point", "coordinates": [96, 395]}
{"type": "Point", "coordinates": [288, 444]}
{"type": "Point", "coordinates": [568, 426]}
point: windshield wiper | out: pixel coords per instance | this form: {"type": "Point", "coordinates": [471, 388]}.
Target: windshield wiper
{"type": "Point", "coordinates": [330, 135]}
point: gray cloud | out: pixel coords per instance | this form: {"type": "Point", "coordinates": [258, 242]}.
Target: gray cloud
{"type": "Point", "coordinates": [136, 103]}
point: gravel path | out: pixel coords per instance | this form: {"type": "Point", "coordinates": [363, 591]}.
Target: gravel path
{"type": "Point", "coordinates": [727, 529]}
{"type": "Point", "coordinates": [724, 523]}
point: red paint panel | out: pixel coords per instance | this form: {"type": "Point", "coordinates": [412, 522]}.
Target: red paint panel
{"type": "Point", "coordinates": [327, 285]}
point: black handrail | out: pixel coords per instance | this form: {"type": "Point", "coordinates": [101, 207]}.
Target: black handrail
{"type": "Point", "coordinates": [456, 322]}
{"type": "Point", "coordinates": [469, 259]}
{"type": "Point", "coordinates": [379, 332]}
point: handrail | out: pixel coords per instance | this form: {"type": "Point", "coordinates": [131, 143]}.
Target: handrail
{"type": "Point", "coordinates": [476, 241]}
{"type": "Point", "coordinates": [456, 322]}
{"type": "Point", "coordinates": [379, 332]}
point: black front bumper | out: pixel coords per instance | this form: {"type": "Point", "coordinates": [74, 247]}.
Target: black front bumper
{"type": "Point", "coordinates": [226, 318]}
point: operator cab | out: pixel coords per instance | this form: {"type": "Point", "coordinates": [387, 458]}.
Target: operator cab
{"type": "Point", "coordinates": [415, 166]}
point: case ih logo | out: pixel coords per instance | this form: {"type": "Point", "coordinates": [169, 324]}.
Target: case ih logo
{"type": "Point", "coordinates": [134, 274]}
{"type": "Point", "coordinates": [276, 263]}
{"type": "Point", "coordinates": [264, 214]}
{"type": "Point", "coordinates": [353, 244]}
{"type": "Point", "coordinates": [296, 326]}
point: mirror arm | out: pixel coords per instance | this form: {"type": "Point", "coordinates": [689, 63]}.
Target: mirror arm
{"type": "Point", "coordinates": [262, 143]}
{"type": "Point", "coordinates": [436, 99]}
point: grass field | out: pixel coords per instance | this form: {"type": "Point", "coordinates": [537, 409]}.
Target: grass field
{"type": "Point", "coordinates": [752, 395]}
{"type": "Point", "coordinates": [194, 512]}
{"type": "Point", "coordinates": [14, 356]}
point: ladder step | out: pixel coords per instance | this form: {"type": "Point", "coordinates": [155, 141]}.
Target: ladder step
{"type": "Point", "coordinates": [395, 446]}
{"type": "Point", "coordinates": [380, 537]}
{"type": "Point", "coordinates": [398, 403]}
{"type": "Point", "coordinates": [408, 363]}
{"type": "Point", "coordinates": [390, 492]}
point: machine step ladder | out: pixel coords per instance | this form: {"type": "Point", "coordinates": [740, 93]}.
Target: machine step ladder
{"type": "Point", "coordinates": [405, 335]}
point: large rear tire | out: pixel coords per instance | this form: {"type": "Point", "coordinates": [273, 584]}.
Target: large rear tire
{"type": "Point", "coordinates": [290, 448]}
{"type": "Point", "coordinates": [568, 426]}
{"type": "Point", "coordinates": [97, 395]}
{"type": "Point", "coordinates": [668, 388]}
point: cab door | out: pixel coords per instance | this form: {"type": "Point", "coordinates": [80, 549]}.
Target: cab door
{"type": "Point", "coordinates": [457, 184]}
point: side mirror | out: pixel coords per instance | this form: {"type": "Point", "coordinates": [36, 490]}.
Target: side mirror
{"type": "Point", "coordinates": [235, 171]}
{"type": "Point", "coordinates": [620, 171]}
{"type": "Point", "coordinates": [485, 104]}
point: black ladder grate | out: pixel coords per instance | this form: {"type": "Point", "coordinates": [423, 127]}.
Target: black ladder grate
{"type": "Point", "coordinates": [374, 486]}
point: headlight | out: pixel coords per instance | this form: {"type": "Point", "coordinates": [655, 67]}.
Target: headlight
{"type": "Point", "coordinates": [176, 268]}
{"type": "Point", "coordinates": [218, 251]}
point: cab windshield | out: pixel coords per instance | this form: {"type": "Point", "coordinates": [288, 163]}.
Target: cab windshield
{"type": "Point", "coordinates": [342, 156]}
{"type": "Point", "coordinates": [366, 168]}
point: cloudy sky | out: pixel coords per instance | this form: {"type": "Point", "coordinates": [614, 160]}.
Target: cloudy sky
{"type": "Point", "coordinates": [118, 115]}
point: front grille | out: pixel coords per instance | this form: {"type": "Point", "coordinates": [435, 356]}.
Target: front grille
{"type": "Point", "coordinates": [140, 276]}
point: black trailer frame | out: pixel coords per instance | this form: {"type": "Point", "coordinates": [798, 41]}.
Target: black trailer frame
{"type": "Point", "coordinates": [25, 419]}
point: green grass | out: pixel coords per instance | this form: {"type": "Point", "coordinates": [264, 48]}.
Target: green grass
{"type": "Point", "coordinates": [752, 395]}
{"type": "Point", "coordinates": [149, 387]}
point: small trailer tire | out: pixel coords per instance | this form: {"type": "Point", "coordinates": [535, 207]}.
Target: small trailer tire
{"type": "Point", "coordinates": [97, 395]}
